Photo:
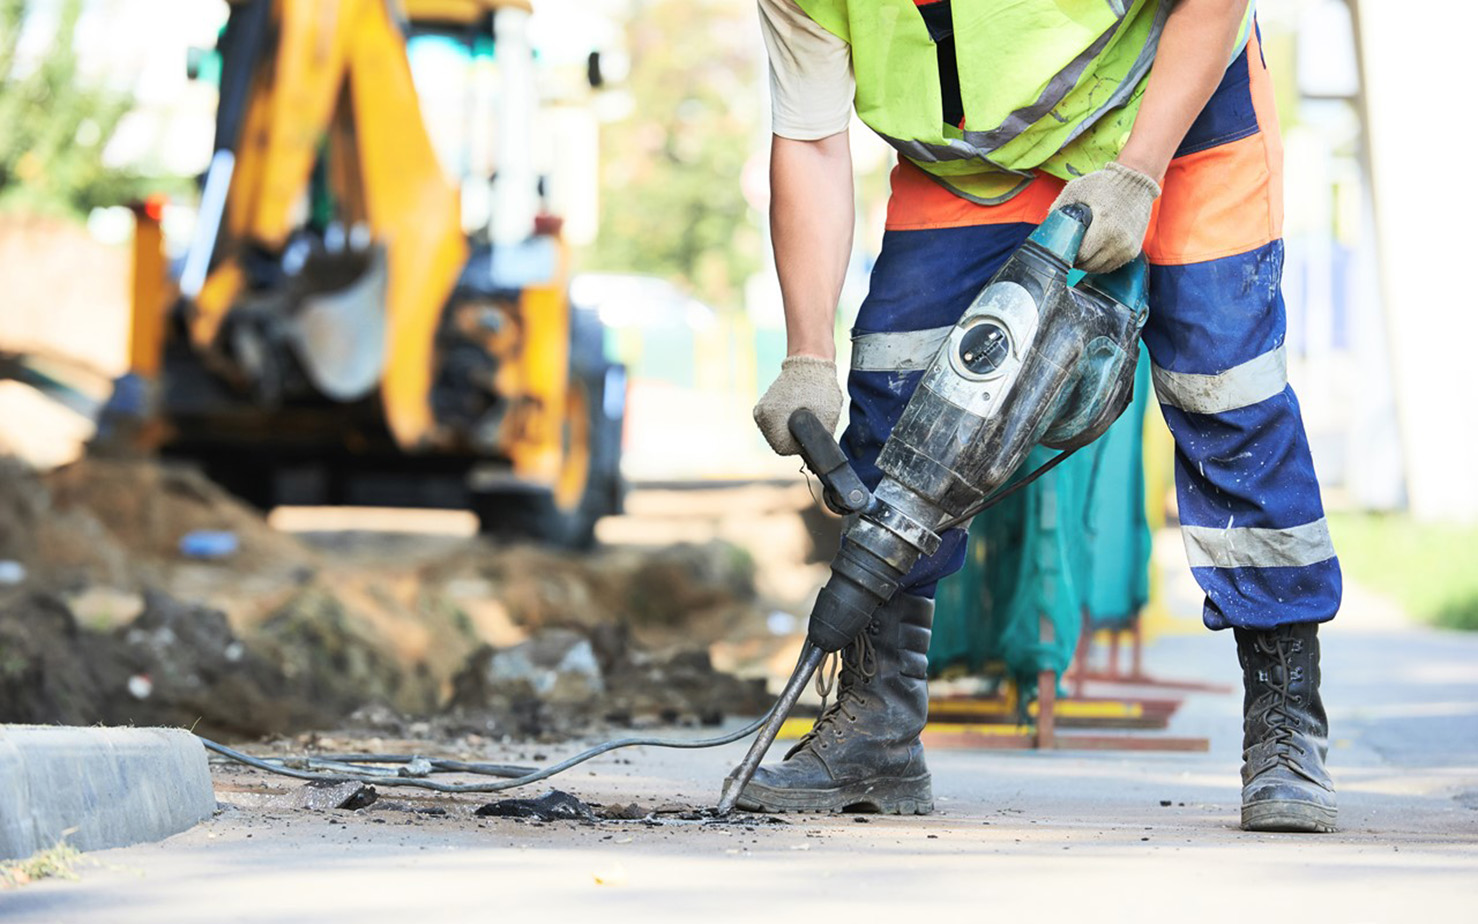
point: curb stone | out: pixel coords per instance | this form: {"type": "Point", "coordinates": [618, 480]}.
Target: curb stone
{"type": "Point", "coordinates": [108, 787]}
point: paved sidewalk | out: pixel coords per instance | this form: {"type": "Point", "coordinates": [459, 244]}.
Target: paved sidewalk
{"type": "Point", "coordinates": [1061, 836]}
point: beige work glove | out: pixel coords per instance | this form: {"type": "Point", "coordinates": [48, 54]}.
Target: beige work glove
{"type": "Point", "coordinates": [804, 382]}
{"type": "Point", "coordinates": [1120, 198]}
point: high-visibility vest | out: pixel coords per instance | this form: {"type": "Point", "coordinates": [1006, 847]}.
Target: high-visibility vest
{"type": "Point", "coordinates": [1050, 85]}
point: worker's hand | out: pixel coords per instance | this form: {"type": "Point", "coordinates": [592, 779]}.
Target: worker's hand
{"type": "Point", "coordinates": [1120, 198]}
{"type": "Point", "coordinates": [804, 382]}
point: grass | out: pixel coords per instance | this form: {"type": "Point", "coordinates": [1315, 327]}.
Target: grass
{"type": "Point", "coordinates": [53, 863]}
{"type": "Point", "coordinates": [1430, 569]}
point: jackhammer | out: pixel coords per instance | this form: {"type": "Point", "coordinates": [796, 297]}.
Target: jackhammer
{"type": "Point", "coordinates": [1033, 360]}
{"type": "Point", "coordinates": [1038, 357]}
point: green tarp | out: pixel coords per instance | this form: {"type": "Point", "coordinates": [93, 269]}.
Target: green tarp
{"type": "Point", "coordinates": [1075, 539]}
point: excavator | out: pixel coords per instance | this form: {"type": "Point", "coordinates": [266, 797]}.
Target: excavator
{"type": "Point", "coordinates": [373, 308]}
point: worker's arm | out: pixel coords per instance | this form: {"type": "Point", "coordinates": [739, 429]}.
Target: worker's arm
{"type": "Point", "coordinates": [1194, 49]}
{"type": "Point", "coordinates": [811, 216]}
{"type": "Point", "coordinates": [811, 90]}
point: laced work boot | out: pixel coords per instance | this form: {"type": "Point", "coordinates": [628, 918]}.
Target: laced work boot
{"type": "Point", "coordinates": [863, 753]}
{"type": "Point", "coordinates": [1285, 732]}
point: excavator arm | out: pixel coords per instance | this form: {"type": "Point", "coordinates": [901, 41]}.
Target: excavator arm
{"type": "Point", "coordinates": [334, 71]}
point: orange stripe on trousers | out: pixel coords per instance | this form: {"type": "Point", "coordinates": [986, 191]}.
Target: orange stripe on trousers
{"type": "Point", "coordinates": [1227, 199]}
{"type": "Point", "coordinates": [918, 203]}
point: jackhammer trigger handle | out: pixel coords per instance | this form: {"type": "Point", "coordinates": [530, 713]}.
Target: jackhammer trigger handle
{"type": "Point", "coordinates": [844, 492]}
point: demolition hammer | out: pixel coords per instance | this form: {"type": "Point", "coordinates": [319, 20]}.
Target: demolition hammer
{"type": "Point", "coordinates": [1043, 354]}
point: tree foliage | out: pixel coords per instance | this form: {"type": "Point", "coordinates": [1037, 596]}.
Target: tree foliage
{"type": "Point", "coordinates": [54, 126]}
{"type": "Point", "coordinates": [671, 203]}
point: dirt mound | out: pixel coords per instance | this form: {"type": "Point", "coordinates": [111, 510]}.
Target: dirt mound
{"type": "Point", "coordinates": [337, 660]}
{"type": "Point", "coordinates": [147, 507]}
{"type": "Point", "coordinates": [50, 670]}
{"type": "Point", "coordinates": [311, 667]}
{"type": "Point", "coordinates": [176, 664]}
{"type": "Point", "coordinates": [287, 633]}
{"type": "Point", "coordinates": [55, 546]}
{"type": "Point", "coordinates": [667, 599]}
{"type": "Point", "coordinates": [120, 521]}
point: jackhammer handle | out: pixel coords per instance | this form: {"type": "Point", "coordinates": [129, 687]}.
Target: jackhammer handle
{"type": "Point", "coordinates": [845, 493]}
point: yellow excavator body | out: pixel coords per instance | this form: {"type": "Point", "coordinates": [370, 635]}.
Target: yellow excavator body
{"type": "Point", "coordinates": [332, 304]}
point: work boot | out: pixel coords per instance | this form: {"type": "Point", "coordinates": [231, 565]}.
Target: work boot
{"type": "Point", "coordinates": [1285, 733]}
{"type": "Point", "coordinates": [863, 753]}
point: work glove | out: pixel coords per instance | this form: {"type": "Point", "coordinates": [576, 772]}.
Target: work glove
{"type": "Point", "coordinates": [1120, 198]}
{"type": "Point", "coordinates": [804, 382]}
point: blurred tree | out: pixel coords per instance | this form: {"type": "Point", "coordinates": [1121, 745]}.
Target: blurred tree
{"type": "Point", "coordinates": [671, 203]}
{"type": "Point", "coordinates": [54, 126]}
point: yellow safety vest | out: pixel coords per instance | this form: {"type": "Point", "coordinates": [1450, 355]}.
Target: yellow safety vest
{"type": "Point", "coordinates": [1051, 85]}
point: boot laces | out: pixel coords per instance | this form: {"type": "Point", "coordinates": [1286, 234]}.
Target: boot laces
{"type": "Point", "coordinates": [845, 672]}
{"type": "Point", "coordinates": [1278, 714]}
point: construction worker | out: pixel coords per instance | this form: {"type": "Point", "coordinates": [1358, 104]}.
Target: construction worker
{"type": "Point", "coordinates": [999, 112]}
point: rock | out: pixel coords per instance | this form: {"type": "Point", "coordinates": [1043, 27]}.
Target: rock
{"type": "Point", "coordinates": [322, 796]}
{"type": "Point", "coordinates": [98, 606]}
{"type": "Point", "coordinates": [554, 805]}
{"type": "Point", "coordinates": [631, 812]}
{"type": "Point", "coordinates": [556, 667]}
{"type": "Point", "coordinates": [559, 664]}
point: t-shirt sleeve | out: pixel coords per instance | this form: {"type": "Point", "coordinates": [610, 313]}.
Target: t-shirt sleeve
{"type": "Point", "coordinates": [811, 84]}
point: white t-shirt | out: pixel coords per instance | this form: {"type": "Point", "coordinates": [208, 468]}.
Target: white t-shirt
{"type": "Point", "coordinates": [811, 83]}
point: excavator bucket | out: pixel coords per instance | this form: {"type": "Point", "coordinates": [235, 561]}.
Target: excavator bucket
{"type": "Point", "coordinates": [339, 335]}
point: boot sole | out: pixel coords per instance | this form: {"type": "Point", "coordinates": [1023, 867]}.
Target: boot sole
{"type": "Point", "coordinates": [1289, 817]}
{"type": "Point", "coordinates": [882, 796]}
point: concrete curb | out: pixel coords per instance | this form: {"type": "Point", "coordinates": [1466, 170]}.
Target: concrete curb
{"type": "Point", "coordinates": [114, 786]}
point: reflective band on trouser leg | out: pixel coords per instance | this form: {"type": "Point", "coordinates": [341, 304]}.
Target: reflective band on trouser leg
{"type": "Point", "coordinates": [1251, 515]}
{"type": "Point", "coordinates": [922, 282]}
{"type": "Point", "coordinates": [1251, 547]}
{"type": "Point", "coordinates": [1258, 379]}
{"type": "Point", "coordinates": [900, 351]}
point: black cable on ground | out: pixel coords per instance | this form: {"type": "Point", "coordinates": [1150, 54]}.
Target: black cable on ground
{"type": "Point", "coordinates": [383, 777]}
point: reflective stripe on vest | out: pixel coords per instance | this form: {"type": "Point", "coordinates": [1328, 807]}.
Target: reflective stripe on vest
{"type": "Point", "coordinates": [1050, 85]}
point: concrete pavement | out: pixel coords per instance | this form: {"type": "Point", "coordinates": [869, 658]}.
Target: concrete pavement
{"type": "Point", "coordinates": [1058, 836]}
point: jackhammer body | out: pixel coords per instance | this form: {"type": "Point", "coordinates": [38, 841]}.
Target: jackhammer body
{"type": "Point", "coordinates": [1033, 360]}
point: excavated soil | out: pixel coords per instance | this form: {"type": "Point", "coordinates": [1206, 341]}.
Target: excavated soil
{"type": "Point", "coordinates": [113, 623]}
